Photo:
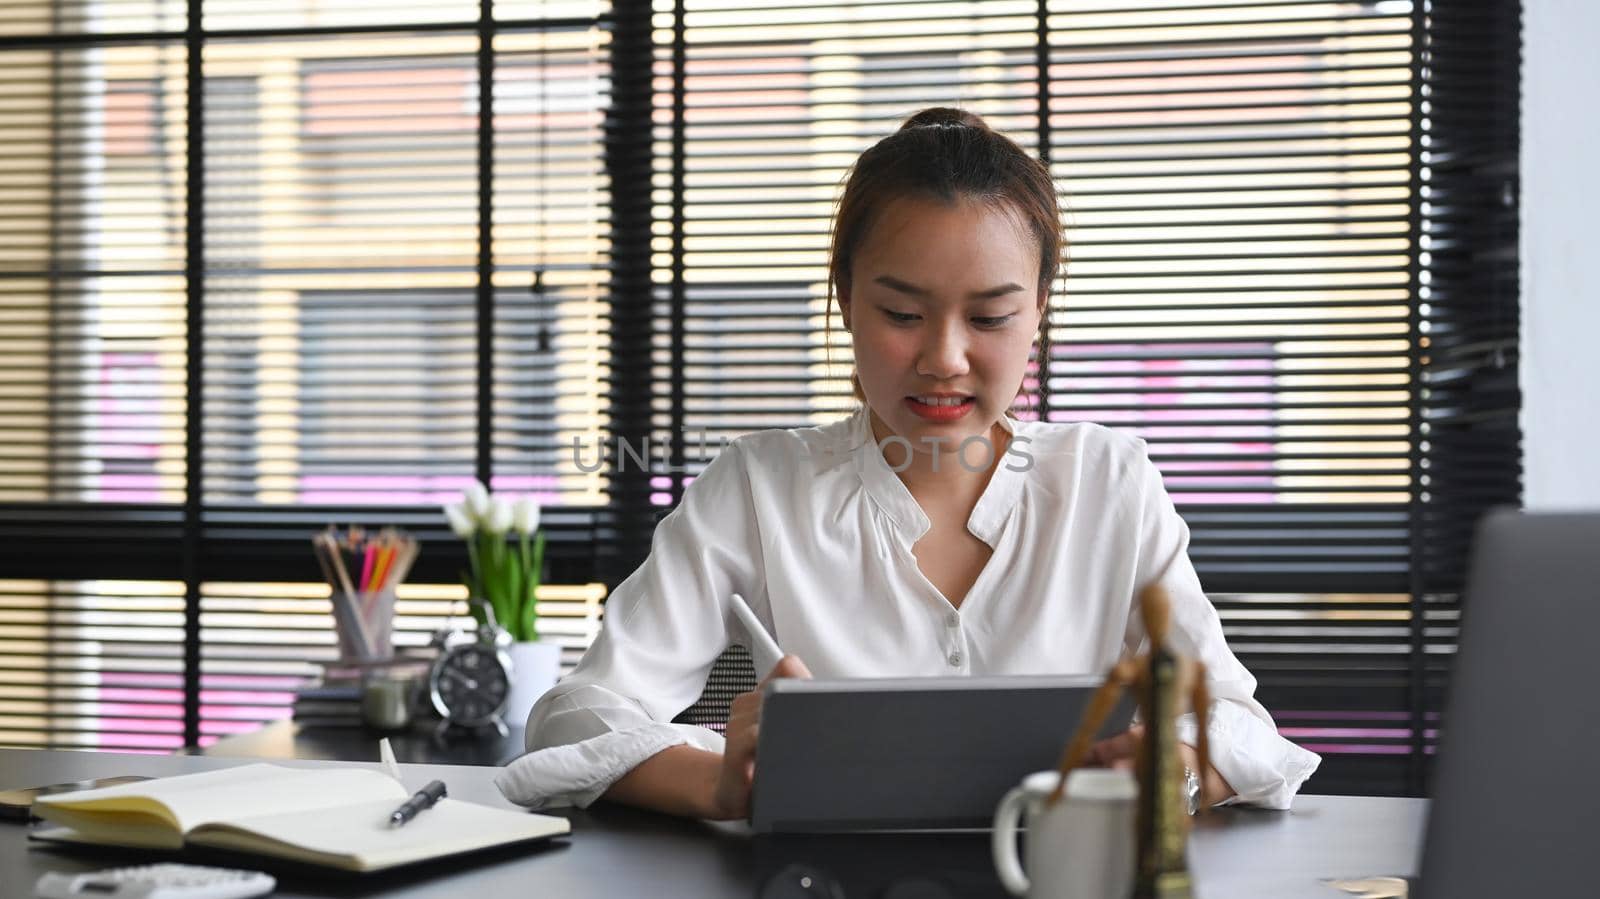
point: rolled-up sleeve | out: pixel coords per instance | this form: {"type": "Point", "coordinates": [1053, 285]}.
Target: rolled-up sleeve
{"type": "Point", "coordinates": [663, 629]}
{"type": "Point", "coordinates": [1262, 766]}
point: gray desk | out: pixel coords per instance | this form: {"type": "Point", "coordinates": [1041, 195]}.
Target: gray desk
{"type": "Point", "coordinates": [613, 851]}
{"type": "Point", "coordinates": [288, 740]}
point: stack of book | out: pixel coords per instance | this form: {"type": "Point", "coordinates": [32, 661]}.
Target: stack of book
{"type": "Point", "coordinates": [328, 705]}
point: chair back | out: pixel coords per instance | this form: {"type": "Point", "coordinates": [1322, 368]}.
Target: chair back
{"type": "Point", "coordinates": [733, 673]}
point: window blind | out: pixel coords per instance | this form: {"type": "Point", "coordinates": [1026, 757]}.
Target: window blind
{"type": "Point", "coordinates": [272, 267]}
{"type": "Point", "coordinates": [324, 262]}
{"type": "Point", "coordinates": [91, 289]}
{"type": "Point", "coordinates": [265, 640]}
{"type": "Point", "coordinates": [105, 659]}
{"type": "Point", "coordinates": [552, 313]}
{"type": "Point", "coordinates": [92, 305]}
{"type": "Point", "coordinates": [340, 260]}
{"type": "Point", "coordinates": [1255, 203]}
{"type": "Point", "coordinates": [1239, 296]}
{"type": "Point", "coordinates": [92, 664]}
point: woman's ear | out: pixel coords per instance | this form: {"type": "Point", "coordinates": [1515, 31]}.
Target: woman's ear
{"type": "Point", "coordinates": [843, 298]}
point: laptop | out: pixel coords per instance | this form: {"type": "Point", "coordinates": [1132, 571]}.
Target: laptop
{"type": "Point", "coordinates": [908, 753]}
{"type": "Point", "coordinates": [1516, 807]}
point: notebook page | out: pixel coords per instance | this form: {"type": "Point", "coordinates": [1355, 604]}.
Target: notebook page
{"type": "Point", "coordinates": [358, 837]}
{"type": "Point", "coordinates": [235, 793]}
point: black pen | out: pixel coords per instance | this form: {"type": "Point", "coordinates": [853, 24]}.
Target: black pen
{"type": "Point", "coordinates": [424, 798]}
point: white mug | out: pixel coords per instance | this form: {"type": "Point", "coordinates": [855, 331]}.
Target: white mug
{"type": "Point", "coordinates": [1079, 848]}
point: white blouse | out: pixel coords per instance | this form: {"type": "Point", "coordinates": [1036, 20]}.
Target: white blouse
{"type": "Point", "coordinates": [815, 529]}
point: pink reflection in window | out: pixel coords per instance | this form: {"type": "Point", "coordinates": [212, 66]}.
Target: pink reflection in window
{"type": "Point", "coordinates": [354, 489]}
{"type": "Point", "coordinates": [1163, 399]}
{"type": "Point", "coordinates": [125, 432]}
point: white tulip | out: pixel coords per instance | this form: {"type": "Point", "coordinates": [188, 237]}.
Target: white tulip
{"type": "Point", "coordinates": [499, 518]}
{"type": "Point", "coordinates": [525, 516]}
{"type": "Point", "coordinates": [476, 500]}
{"type": "Point", "coordinates": [461, 522]}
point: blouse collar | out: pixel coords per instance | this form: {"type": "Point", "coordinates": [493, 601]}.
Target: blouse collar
{"type": "Point", "coordinates": [994, 506]}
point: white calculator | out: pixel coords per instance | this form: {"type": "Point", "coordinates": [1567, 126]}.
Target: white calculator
{"type": "Point", "coordinates": [165, 881]}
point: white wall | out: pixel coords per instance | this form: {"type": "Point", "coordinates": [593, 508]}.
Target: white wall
{"type": "Point", "coordinates": [1560, 372]}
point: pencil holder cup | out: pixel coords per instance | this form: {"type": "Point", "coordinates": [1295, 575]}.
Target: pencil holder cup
{"type": "Point", "coordinates": [364, 623]}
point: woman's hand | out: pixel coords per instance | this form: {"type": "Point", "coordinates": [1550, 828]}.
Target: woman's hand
{"type": "Point", "coordinates": [1121, 751]}
{"type": "Point", "coordinates": [731, 795]}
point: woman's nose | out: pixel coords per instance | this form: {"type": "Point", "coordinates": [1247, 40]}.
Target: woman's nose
{"type": "Point", "coordinates": [944, 354]}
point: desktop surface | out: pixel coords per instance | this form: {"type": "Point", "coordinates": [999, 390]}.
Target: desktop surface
{"type": "Point", "coordinates": [290, 740]}
{"type": "Point", "coordinates": [615, 851]}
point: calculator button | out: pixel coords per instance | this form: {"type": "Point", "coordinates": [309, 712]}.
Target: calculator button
{"type": "Point", "coordinates": [160, 881]}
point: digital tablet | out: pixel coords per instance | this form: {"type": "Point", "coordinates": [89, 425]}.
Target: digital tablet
{"type": "Point", "coordinates": [909, 753]}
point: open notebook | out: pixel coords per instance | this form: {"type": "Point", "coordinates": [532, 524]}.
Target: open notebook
{"type": "Point", "coordinates": [334, 817]}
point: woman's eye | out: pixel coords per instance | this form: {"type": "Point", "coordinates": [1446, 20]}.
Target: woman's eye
{"type": "Point", "coordinates": [991, 321]}
{"type": "Point", "coordinates": [900, 317]}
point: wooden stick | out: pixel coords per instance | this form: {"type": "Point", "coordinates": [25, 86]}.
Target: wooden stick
{"type": "Point", "coordinates": [345, 610]}
{"type": "Point", "coordinates": [408, 554]}
{"type": "Point", "coordinates": [1155, 609]}
{"type": "Point", "coordinates": [380, 569]}
{"type": "Point", "coordinates": [1100, 707]}
{"type": "Point", "coordinates": [1202, 720]}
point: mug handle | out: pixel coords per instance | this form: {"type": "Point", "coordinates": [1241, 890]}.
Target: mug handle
{"type": "Point", "coordinates": [1003, 843]}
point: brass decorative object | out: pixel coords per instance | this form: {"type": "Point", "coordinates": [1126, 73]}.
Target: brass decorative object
{"type": "Point", "coordinates": [1165, 684]}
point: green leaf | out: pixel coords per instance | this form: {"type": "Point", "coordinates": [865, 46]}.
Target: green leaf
{"type": "Point", "coordinates": [515, 601]}
{"type": "Point", "coordinates": [530, 611]}
{"type": "Point", "coordinates": [474, 586]}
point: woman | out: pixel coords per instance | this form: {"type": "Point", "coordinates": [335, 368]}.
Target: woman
{"type": "Point", "coordinates": [927, 534]}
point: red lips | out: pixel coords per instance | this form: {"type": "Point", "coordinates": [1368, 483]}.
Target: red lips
{"type": "Point", "coordinates": [941, 413]}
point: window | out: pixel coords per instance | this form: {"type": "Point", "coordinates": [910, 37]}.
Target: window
{"type": "Point", "coordinates": [405, 247]}
{"type": "Point", "coordinates": [1266, 281]}
{"type": "Point", "coordinates": [283, 273]}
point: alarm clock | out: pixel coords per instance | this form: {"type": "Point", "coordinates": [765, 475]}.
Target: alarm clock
{"type": "Point", "coordinates": [470, 680]}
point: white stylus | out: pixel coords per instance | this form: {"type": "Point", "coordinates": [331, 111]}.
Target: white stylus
{"type": "Point", "coordinates": [764, 650]}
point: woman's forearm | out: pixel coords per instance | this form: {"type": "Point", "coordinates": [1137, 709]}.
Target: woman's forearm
{"type": "Point", "coordinates": [678, 780]}
{"type": "Point", "coordinates": [1214, 787]}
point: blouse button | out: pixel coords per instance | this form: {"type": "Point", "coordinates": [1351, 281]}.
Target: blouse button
{"type": "Point", "coordinates": [955, 660]}
{"type": "Point", "coordinates": [953, 619]}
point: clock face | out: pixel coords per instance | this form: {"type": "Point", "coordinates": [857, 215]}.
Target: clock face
{"type": "Point", "coordinates": [469, 684]}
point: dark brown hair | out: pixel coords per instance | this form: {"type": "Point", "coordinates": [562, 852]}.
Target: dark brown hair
{"type": "Point", "coordinates": [947, 155]}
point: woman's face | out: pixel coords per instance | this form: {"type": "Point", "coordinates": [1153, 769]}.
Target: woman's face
{"type": "Point", "coordinates": [943, 306]}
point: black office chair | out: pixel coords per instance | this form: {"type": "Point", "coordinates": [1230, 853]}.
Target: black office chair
{"type": "Point", "coordinates": [733, 673]}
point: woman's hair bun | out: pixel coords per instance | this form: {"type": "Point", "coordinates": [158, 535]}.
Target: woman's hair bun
{"type": "Point", "coordinates": [945, 117]}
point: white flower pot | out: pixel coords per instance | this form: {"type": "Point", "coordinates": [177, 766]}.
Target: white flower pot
{"type": "Point", "coordinates": [534, 669]}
